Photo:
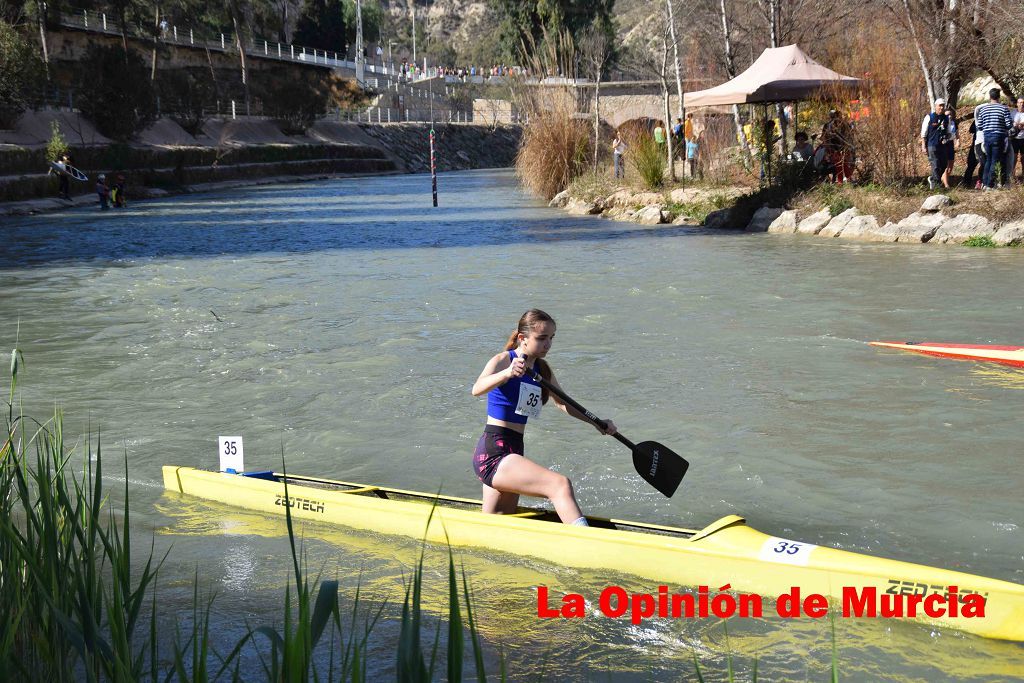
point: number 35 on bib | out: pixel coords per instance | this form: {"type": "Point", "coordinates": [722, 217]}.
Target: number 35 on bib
{"type": "Point", "coordinates": [529, 400]}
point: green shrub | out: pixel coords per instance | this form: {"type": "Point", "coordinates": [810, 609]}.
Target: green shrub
{"type": "Point", "coordinates": [647, 158]}
{"type": "Point", "coordinates": [980, 241]}
{"type": "Point", "coordinates": [57, 146]}
{"type": "Point", "coordinates": [114, 92]}
{"type": "Point", "coordinates": [839, 204]}
{"type": "Point", "coordinates": [295, 102]}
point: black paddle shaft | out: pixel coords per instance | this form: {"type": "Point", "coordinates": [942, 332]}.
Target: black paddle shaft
{"type": "Point", "coordinates": [656, 464]}
{"type": "Point", "coordinates": [594, 419]}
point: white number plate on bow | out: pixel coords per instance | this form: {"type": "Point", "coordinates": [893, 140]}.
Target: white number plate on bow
{"type": "Point", "coordinates": [786, 551]}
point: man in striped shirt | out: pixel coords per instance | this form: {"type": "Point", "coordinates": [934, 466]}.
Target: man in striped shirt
{"type": "Point", "coordinates": [994, 122]}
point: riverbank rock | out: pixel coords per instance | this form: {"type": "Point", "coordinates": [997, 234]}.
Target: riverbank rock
{"type": "Point", "coordinates": [719, 219]}
{"type": "Point", "coordinates": [650, 215]}
{"type": "Point", "coordinates": [694, 195]}
{"type": "Point", "coordinates": [560, 200]}
{"type": "Point", "coordinates": [580, 207]}
{"type": "Point", "coordinates": [936, 202]}
{"type": "Point", "coordinates": [1010, 235]}
{"type": "Point", "coordinates": [859, 227]}
{"type": "Point", "coordinates": [686, 195]}
{"type": "Point", "coordinates": [620, 213]}
{"type": "Point", "coordinates": [917, 227]}
{"type": "Point", "coordinates": [813, 224]}
{"type": "Point", "coordinates": [762, 218]}
{"type": "Point", "coordinates": [785, 223]}
{"type": "Point", "coordinates": [628, 198]}
{"type": "Point", "coordinates": [961, 228]}
{"type": "Point", "coordinates": [836, 226]}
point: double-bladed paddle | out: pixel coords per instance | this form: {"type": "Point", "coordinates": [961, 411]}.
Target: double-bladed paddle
{"type": "Point", "coordinates": [659, 466]}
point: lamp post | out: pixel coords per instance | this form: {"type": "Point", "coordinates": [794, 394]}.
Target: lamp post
{"type": "Point", "coordinates": [360, 61]}
{"type": "Point", "coordinates": [412, 4]}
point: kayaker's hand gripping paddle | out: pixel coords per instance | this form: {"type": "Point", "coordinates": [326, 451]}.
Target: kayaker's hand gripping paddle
{"type": "Point", "coordinates": [659, 466]}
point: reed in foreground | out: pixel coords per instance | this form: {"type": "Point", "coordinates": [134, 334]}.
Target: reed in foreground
{"type": "Point", "coordinates": [79, 603]}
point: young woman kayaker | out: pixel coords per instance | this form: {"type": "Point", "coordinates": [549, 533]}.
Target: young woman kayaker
{"type": "Point", "coordinates": [513, 397]}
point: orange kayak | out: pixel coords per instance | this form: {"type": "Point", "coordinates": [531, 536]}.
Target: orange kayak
{"type": "Point", "coordinates": [1007, 355]}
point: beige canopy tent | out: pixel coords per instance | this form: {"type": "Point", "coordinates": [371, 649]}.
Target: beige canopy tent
{"type": "Point", "coordinates": [780, 74]}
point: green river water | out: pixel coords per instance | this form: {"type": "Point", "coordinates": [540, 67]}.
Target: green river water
{"type": "Point", "coordinates": [342, 323]}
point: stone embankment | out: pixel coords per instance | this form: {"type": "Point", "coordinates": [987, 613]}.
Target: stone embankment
{"type": "Point", "coordinates": [165, 159]}
{"type": "Point", "coordinates": [682, 206]}
{"type": "Point", "coordinates": [933, 223]}
{"type": "Point", "coordinates": [927, 225]}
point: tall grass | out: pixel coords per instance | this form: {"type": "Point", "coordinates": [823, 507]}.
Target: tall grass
{"type": "Point", "coordinates": [646, 158]}
{"type": "Point", "coordinates": [556, 146]}
{"type": "Point", "coordinates": [78, 602]}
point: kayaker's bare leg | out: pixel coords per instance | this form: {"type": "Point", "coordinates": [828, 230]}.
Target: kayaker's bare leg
{"type": "Point", "coordinates": [517, 474]}
{"type": "Point", "coordinates": [498, 503]}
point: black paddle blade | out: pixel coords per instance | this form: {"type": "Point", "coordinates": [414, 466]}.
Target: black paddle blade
{"type": "Point", "coordinates": [659, 466]}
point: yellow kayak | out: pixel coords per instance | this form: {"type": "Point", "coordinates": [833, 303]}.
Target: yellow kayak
{"type": "Point", "coordinates": [726, 551]}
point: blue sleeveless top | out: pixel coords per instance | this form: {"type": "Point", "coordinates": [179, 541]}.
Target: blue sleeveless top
{"type": "Point", "coordinates": [502, 400]}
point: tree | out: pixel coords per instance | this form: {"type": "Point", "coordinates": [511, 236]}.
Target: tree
{"type": "Point", "coordinates": [953, 37]}
{"type": "Point", "coordinates": [321, 25]}
{"type": "Point", "coordinates": [730, 68]}
{"type": "Point", "coordinates": [524, 23]}
{"type": "Point", "coordinates": [595, 52]}
{"type": "Point", "coordinates": [20, 69]}
{"type": "Point", "coordinates": [114, 92]}
{"type": "Point", "coordinates": [373, 19]}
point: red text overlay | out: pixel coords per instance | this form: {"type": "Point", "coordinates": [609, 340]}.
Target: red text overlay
{"type": "Point", "coordinates": [942, 602]}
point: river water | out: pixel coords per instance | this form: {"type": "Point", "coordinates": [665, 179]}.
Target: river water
{"type": "Point", "coordinates": [341, 323]}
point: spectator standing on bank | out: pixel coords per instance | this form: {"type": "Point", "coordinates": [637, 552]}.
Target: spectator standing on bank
{"type": "Point", "coordinates": [103, 192]}
{"type": "Point", "coordinates": [836, 138]}
{"type": "Point", "coordinates": [692, 150]}
{"type": "Point", "coordinates": [659, 135]}
{"type": "Point", "coordinates": [974, 156]}
{"type": "Point", "coordinates": [63, 177]}
{"type": "Point", "coordinates": [618, 149]}
{"type": "Point", "coordinates": [952, 146]}
{"type": "Point", "coordinates": [994, 122]}
{"type": "Point", "coordinates": [678, 136]}
{"type": "Point", "coordinates": [1017, 139]}
{"type": "Point", "coordinates": [935, 136]}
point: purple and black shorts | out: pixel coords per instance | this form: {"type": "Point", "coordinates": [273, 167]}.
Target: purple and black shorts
{"type": "Point", "coordinates": [495, 444]}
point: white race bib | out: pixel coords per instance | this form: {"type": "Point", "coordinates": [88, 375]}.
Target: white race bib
{"type": "Point", "coordinates": [529, 400]}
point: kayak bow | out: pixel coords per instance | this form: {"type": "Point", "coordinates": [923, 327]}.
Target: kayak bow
{"type": "Point", "coordinates": [725, 551]}
{"type": "Point", "coordinates": [1008, 355]}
